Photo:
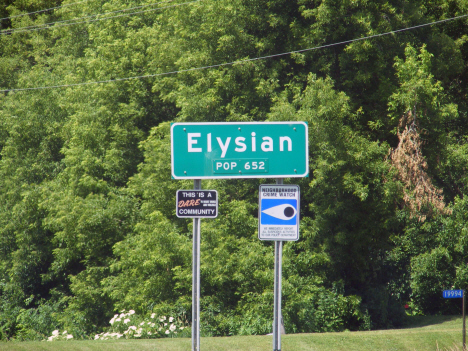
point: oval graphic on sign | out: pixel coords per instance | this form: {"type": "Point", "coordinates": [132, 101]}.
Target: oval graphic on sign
{"type": "Point", "coordinates": [284, 212]}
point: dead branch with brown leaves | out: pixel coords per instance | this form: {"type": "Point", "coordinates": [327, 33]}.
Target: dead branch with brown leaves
{"type": "Point", "coordinates": [421, 197]}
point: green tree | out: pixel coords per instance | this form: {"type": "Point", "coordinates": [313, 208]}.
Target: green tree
{"type": "Point", "coordinates": [87, 224]}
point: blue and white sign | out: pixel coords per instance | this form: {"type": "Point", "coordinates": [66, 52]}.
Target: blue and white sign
{"type": "Point", "coordinates": [278, 213]}
{"type": "Point", "coordinates": [453, 294]}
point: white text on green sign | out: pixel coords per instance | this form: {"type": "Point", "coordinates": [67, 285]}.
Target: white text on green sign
{"type": "Point", "coordinates": [239, 150]}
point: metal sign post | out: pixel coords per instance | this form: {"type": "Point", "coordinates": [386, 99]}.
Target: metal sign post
{"type": "Point", "coordinates": [464, 329]}
{"type": "Point", "coordinates": [277, 297]}
{"type": "Point", "coordinates": [196, 278]}
{"type": "Point", "coordinates": [278, 221]}
{"type": "Point", "coordinates": [277, 291]}
{"type": "Point", "coordinates": [197, 204]}
{"type": "Point", "coordinates": [457, 294]}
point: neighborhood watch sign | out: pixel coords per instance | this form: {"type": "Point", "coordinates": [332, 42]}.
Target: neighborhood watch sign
{"type": "Point", "coordinates": [239, 150]}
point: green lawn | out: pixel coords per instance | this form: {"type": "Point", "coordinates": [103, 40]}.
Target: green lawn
{"type": "Point", "coordinates": [425, 334]}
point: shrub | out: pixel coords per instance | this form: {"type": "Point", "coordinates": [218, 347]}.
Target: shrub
{"type": "Point", "coordinates": [37, 323]}
{"type": "Point", "coordinates": [322, 310]}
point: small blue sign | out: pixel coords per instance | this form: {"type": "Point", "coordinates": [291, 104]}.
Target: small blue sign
{"type": "Point", "coordinates": [452, 294]}
{"type": "Point", "coordinates": [278, 211]}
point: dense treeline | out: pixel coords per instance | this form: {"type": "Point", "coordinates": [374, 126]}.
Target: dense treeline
{"type": "Point", "coordinates": [87, 215]}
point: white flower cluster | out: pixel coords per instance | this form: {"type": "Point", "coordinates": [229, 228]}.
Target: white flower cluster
{"type": "Point", "coordinates": [122, 315]}
{"type": "Point", "coordinates": [129, 326]}
{"type": "Point", "coordinates": [57, 336]}
{"type": "Point", "coordinates": [107, 336]}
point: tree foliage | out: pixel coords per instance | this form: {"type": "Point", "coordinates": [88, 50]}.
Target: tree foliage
{"type": "Point", "coordinates": [87, 220]}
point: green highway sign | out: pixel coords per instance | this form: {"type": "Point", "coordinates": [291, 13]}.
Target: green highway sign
{"type": "Point", "coordinates": [239, 150]}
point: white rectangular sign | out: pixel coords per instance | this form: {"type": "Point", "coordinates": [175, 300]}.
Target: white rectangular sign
{"type": "Point", "coordinates": [278, 212]}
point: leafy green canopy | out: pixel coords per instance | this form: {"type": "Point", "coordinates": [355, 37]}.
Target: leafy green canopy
{"type": "Point", "coordinates": [87, 222]}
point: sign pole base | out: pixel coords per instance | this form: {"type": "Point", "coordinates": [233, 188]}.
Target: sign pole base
{"type": "Point", "coordinates": [277, 297]}
{"type": "Point", "coordinates": [196, 278]}
{"type": "Point", "coordinates": [464, 325]}
{"type": "Point", "coordinates": [277, 291]}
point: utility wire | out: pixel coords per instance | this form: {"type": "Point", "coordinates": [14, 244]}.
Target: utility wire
{"type": "Point", "coordinates": [242, 61]}
{"type": "Point", "coordinates": [45, 10]}
{"type": "Point", "coordinates": [79, 18]}
{"type": "Point", "coordinates": [12, 30]}
{"type": "Point", "coordinates": [57, 24]}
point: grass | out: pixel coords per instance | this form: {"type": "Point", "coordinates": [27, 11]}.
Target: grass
{"type": "Point", "coordinates": [441, 333]}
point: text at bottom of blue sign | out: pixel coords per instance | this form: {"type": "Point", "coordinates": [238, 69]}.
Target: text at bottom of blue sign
{"type": "Point", "coordinates": [452, 294]}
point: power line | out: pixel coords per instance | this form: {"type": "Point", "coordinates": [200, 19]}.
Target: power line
{"type": "Point", "coordinates": [45, 10]}
{"type": "Point", "coordinates": [63, 23]}
{"type": "Point", "coordinates": [242, 61]}
{"type": "Point", "coordinates": [12, 30]}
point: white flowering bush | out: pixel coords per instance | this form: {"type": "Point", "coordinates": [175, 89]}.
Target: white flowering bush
{"type": "Point", "coordinates": [128, 325]}
{"type": "Point", "coordinates": [57, 336]}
